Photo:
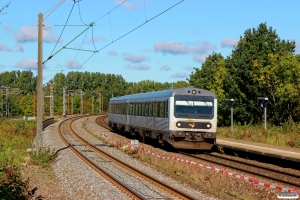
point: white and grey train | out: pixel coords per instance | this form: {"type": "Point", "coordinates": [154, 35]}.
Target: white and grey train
{"type": "Point", "coordinates": [186, 118]}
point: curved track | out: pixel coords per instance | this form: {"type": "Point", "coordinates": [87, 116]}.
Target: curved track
{"type": "Point", "coordinates": [280, 176]}
{"type": "Point", "coordinates": [95, 158]}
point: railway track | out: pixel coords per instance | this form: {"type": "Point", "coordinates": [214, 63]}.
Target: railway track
{"type": "Point", "coordinates": [280, 176]}
{"type": "Point", "coordinates": [131, 181]}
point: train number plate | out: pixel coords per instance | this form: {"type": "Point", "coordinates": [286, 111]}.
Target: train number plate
{"type": "Point", "coordinates": [194, 130]}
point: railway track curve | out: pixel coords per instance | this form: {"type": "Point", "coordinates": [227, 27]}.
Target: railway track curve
{"type": "Point", "coordinates": [133, 183]}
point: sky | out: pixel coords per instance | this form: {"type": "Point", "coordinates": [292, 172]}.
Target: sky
{"type": "Point", "coordinates": [162, 41]}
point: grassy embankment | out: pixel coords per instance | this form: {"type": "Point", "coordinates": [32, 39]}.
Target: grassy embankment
{"type": "Point", "coordinates": [288, 134]}
{"type": "Point", "coordinates": [15, 137]}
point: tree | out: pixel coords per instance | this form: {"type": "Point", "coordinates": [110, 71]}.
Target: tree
{"type": "Point", "coordinates": [211, 77]}
{"type": "Point", "coordinates": [245, 64]}
{"type": "Point", "coordinates": [280, 81]}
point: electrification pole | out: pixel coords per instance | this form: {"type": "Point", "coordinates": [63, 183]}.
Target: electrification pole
{"type": "Point", "coordinates": [7, 102]}
{"type": "Point", "coordinates": [64, 101]}
{"type": "Point", "coordinates": [51, 100]}
{"type": "Point", "coordinates": [92, 104]}
{"type": "Point", "coordinates": [2, 101]}
{"type": "Point", "coordinates": [39, 124]}
{"type": "Point", "coordinates": [99, 103]}
{"type": "Point", "coordinates": [71, 103]}
{"type": "Point", "coordinates": [81, 102]}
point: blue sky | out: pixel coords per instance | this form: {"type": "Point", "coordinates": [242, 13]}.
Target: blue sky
{"type": "Point", "coordinates": [165, 49]}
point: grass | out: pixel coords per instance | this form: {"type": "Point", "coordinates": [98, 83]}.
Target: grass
{"type": "Point", "coordinates": [287, 134]}
{"type": "Point", "coordinates": [15, 137]}
{"type": "Point", "coordinates": [213, 182]}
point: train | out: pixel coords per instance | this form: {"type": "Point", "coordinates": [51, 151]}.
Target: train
{"type": "Point", "coordinates": [185, 118]}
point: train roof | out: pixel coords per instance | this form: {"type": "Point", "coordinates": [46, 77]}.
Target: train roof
{"type": "Point", "coordinates": [164, 93]}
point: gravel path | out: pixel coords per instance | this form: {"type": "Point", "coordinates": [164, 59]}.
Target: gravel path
{"type": "Point", "coordinates": [72, 179]}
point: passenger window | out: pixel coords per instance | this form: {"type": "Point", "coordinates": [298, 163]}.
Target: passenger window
{"type": "Point", "coordinates": [158, 108]}
{"type": "Point", "coordinates": [166, 107]}
{"type": "Point", "coordinates": [150, 109]}
{"type": "Point", "coordinates": [162, 109]}
{"type": "Point", "coordinates": [143, 109]}
{"type": "Point", "coordinates": [146, 109]}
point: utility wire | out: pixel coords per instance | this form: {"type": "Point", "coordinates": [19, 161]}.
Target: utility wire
{"type": "Point", "coordinates": [93, 23]}
{"type": "Point", "coordinates": [80, 14]}
{"type": "Point", "coordinates": [132, 29]}
{"type": "Point", "coordinates": [78, 50]}
{"type": "Point", "coordinates": [51, 55]}
{"type": "Point", "coordinates": [145, 10]}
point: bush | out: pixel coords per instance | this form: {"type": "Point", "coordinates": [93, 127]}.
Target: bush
{"type": "Point", "coordinates": [42, 158]}
{"type": "Point", "coordinates": [12, 186]}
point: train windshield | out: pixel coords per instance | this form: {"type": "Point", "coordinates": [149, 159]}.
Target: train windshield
{"type": "Point", "coordinates": [193, 106]}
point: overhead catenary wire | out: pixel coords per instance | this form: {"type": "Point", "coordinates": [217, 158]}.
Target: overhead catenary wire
{"type": "Point", "coordinates": [93, 23]}
{"type": "Point", "coordinates": [51, 55]}
{"type": "Point", "coordinates": [78, 50]}
{"type": "Point", "coordinates": [137, 27]}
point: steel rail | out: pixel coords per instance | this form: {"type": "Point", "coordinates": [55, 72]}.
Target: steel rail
{"type": "Point", "coordinates": [121, 186]}
{"type": "Point", "coordinates": [139, 173]}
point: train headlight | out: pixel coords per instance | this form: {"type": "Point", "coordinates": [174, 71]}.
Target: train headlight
{"type": "Point", "coordinates": [186, 134]}
{"type": "Point", "coordinates": [209, 135]}
{"type": "Point", "coordinates": [179, 133]}
{"type": "Point", "coordinates": [178, 124]}
{"type": "Point", "coordinates": [208, 125]}
{"type": "Point", "coordinates": [194, 92]}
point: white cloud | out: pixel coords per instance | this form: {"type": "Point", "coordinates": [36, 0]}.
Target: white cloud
{"type": "Point", "coordinates": [165, 68]}
{"type": "Point", "coordinates": [128, 5]}
{"type": "Point", "coordinates": [203, 47]}
{"type": "Point", "coordinates": [138, 67]}
{"type": "Point", "coordinates": [73, 64]}
{"type": "Point", "coordinates": [179, 75]}
{"type": "Point", "coordinates": [30, 34]}
{"type": "Point", "coordinates": [27, 64]}
{"type": "Point", "coordinates": [172, 47]}
{"type": "Point", "coordinates": [112, 53]}
{"type": "Point", "coordinates": [200, 57]}
{"type": "Point", "coordinates": [134, 58]}
{"type": "Point", "coordinates": [229, 42]}
{"type": "Point", "coordinates": [3, 47]}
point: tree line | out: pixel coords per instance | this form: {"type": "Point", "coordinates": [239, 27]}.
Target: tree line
{"type": "Point", "coordinates": [93, 85]}
{"type": "Point", "coordinates": [260, 65]}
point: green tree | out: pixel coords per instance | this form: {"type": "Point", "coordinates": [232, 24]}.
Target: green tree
{"type": "Point", "coordinates": [211, 77]}
{"type": "Point", "coordinates": [280, 81]}
{"type": "Point", "coordinates": [244, 65]}
{"type": "Point", "coordinates": [27, 105]}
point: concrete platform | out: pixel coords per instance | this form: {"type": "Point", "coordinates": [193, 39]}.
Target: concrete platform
{"type": "Point", "coordinates": [286, 153]}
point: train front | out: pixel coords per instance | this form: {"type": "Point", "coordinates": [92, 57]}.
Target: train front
{"type": "Point", "coordinates": [193, 119]}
